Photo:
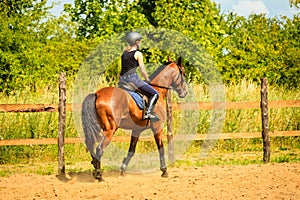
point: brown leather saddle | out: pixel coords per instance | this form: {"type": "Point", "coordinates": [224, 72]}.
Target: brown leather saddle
{"type": "Point", "coordinates": [139, 97]}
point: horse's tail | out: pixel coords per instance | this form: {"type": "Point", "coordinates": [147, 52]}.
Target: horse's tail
{"type": "Point", "coordinates": [90, 124]}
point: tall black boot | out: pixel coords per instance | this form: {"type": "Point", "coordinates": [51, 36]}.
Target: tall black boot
{"type": "Point", "coordinates": [149, 114]}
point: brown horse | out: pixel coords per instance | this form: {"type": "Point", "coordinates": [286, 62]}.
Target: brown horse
{"type": "Point", "coordinates": [111, 108]}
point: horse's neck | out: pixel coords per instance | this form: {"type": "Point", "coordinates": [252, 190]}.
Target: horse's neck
{"type": "Point", "coordinates": [163, 79]}
{"type": "Point", "coordinates": [162, 84]}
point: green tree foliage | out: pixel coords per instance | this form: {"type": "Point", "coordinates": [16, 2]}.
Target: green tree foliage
{"type": "Point", "coordinates": [102, 18]}
{"type": "Point", "coordinates": [261, 47]}
{"type": "Point", "coordinates": [36, 46]}
{"type": "Point", "coordinates": [289, 51]}
{"type": "Point", "coordinates": [11, 8]}
{"type": "Point", "coordinates": [295, 3]}
{"type": "Point", "coordinates": [19, 42]}
{"type": "Point", "coordinates": [199, 20]}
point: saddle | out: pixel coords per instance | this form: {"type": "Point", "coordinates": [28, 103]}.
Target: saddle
{"type": "Point", "coordinates": [139, 97]}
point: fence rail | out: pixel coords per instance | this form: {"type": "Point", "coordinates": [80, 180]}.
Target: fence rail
{"type": "Point", "coordinates": [248, 135]}
{"type": "Point", "coordinates": [175, 106]}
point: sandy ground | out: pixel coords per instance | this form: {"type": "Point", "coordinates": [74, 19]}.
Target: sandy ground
{"type": "Point", "coordinates": [269, 181]}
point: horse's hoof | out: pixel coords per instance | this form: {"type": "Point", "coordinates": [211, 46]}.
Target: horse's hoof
{"type": "Point", "coordinates": [122, 173]}
{"type": "Point", "coordinates": [164, 174]}
{"type": "Point", "coordinates": [100, 179]}
{"type": "Point", "coordinates": [98, 175]}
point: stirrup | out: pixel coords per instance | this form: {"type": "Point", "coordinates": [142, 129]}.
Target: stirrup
{"type": "Point", "coordinates": [151, 116]}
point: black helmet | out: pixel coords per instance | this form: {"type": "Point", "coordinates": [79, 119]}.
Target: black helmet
{"type": "Point", "coordinates": [132, 37]}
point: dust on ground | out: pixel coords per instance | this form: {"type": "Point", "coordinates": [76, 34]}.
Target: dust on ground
{"type": "Point", "coordinates": [265, 181]}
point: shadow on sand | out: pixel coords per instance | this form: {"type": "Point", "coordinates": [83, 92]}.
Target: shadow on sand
{"type": "Point", "coordinates": [85, 177]}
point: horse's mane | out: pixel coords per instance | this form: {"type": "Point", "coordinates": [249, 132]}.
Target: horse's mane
{"type": "Point", "coordinates": [158, 70]}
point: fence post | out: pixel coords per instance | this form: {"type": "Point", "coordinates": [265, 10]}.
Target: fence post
{"type": "Point", "coordinates": [169, 127]}
{"type": "Point", "coordinates": [61, 123]}
{"type": "Point", "coordinates": [265, 119]}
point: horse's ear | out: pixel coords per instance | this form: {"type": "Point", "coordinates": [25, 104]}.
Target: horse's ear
{"type": "Point", "coordinates": [179, 62]}
{"type": "Point", "coordinates": [170, 59]}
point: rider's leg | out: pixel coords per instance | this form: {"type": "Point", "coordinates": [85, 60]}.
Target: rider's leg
{"type": "Point", "coordinates": [153, 97]}
{"type": "Point", "coordinates": [148, 90]}
{"type": "Point", "coordinates": [151, 103]}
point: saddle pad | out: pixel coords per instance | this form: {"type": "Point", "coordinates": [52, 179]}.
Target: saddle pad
{"type": "Point", "coordinates": [137, 98]}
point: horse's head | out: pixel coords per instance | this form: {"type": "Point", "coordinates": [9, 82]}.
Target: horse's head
{"type": "Point", "coordinates": [178, 83]}
{"type": "Point", "coordinates": [170, 76]}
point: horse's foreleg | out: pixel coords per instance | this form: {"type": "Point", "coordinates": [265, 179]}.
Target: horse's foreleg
{"type": "Point", "coordinates": [160, 146]}
{"type": "Point", "coordinates": [131, 151]}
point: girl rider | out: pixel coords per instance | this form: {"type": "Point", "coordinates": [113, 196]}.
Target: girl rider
{"type": "Point", "coordinates": [131, 59]}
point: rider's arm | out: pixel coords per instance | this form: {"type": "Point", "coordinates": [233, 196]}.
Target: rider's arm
{"type": "Point", "coordinates": [139, 56]}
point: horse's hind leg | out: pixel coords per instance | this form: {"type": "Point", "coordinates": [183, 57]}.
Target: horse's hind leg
{"type": "Point", "coordinates": [131, 151]}
{"type": "Point", "coordinates": [97, 173]}
{"type": "Point", "coordinates": [97, 163]}
{"type": "Point", "coordinates": [103, 142]}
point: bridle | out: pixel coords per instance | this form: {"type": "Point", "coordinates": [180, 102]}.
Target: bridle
{"type": "Point", "coordinates": [160, 86]}
{"type": "Point", "coordinates": [180, 75]}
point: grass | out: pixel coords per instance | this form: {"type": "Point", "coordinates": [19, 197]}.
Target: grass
{"type": "Point", "coordinates": [191, 158]}
{"type": "Point", "coordinates": [42, 159]}
{"type": "Point", "coordinates": [243, 152]}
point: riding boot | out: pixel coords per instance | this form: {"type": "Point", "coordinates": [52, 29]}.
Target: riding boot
{"type": "Point", "coordinates": [149, 114]}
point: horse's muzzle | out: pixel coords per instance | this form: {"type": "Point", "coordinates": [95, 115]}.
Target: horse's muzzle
{"type": "Point", "coordinates": [182, 93]}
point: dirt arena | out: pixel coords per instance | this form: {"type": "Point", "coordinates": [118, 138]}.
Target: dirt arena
{"type": "Point", "coordinates": [269, 181]}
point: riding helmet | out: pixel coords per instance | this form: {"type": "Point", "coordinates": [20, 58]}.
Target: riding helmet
{"type": "Point", "coordinates": [132, 37]}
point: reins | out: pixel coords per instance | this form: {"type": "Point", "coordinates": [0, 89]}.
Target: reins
{"type": "Point", "coordinates": [160, 86]}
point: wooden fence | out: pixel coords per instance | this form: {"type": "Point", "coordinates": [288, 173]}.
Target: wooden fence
{"type": "Point", "coordinates": [175, 106]}
{"type": "Point", "coordinates": [62, 107]}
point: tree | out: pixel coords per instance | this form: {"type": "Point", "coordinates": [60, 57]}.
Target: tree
{"type": "Point", "coordinates": [289, 52]}
{"type": "Point", "coordinates": [261, 47]}
{"type": "Point", "coordinates": [36, 46]}
{"type": "Point", "coordinates": [19, 30]}
{"type": "Point", "coordinates": [102, 18]}
{"type": "Point", "coordinates": [294, 3]}
{"type": "Point", "coordinates": [199, 20]}
{"type": "Point", "coordinates": [12, 8]}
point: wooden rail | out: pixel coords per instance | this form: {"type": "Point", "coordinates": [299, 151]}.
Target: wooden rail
{"type": "Point", "coordinates": [175, 106]}
{"type": "Point", "coordinates": [32, 107]}
{"type": "Point", "coordinates": [249, 135]}
{"type": "Point", "coordinates": [234, 105]}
